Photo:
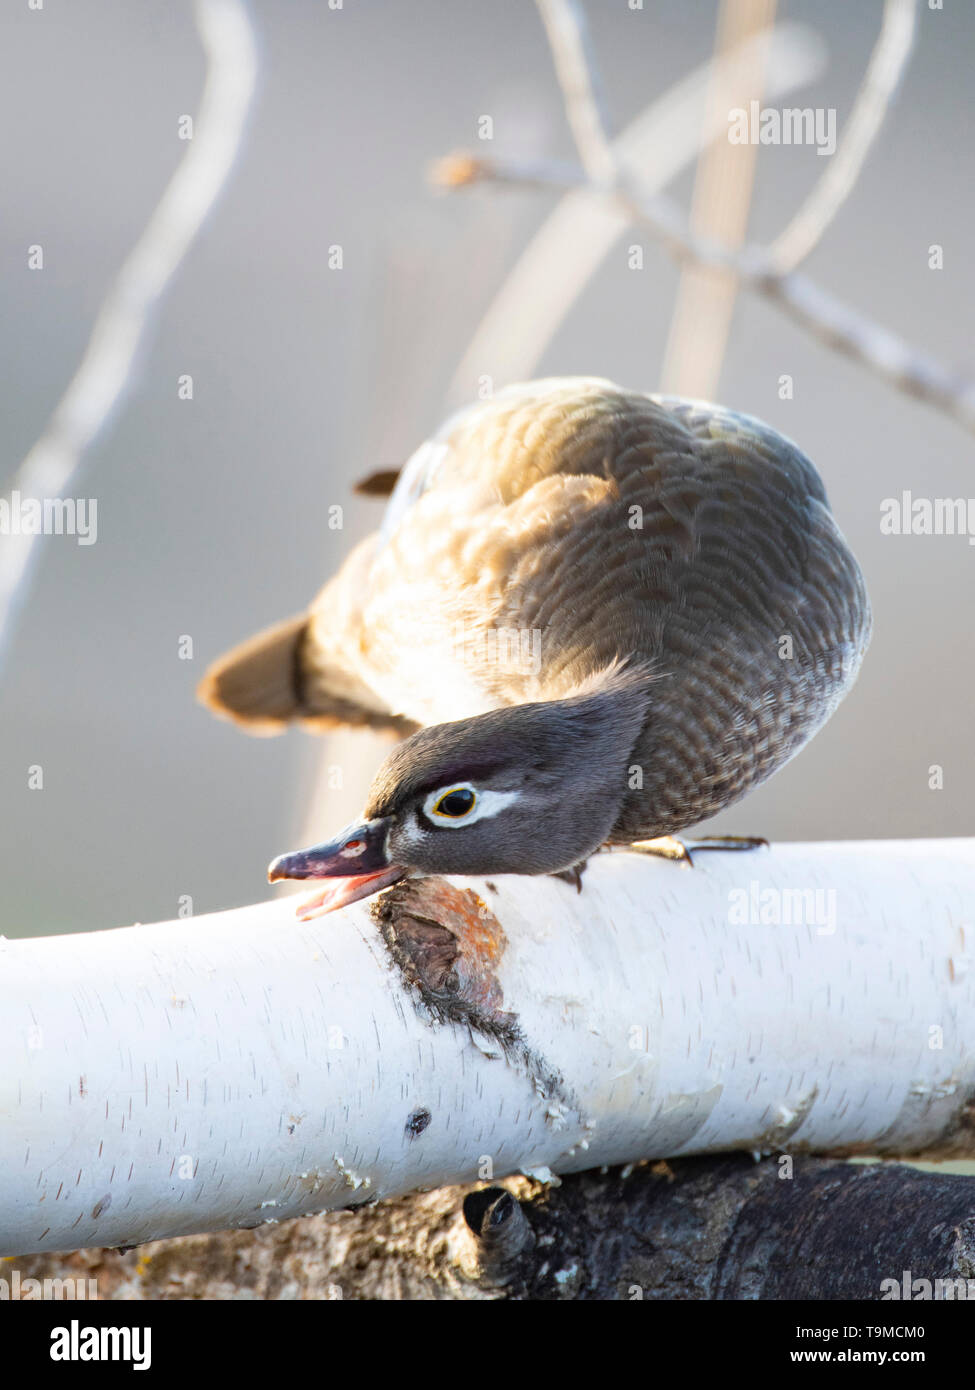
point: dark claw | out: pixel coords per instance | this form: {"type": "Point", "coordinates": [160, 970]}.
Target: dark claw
{"type": "Point", "coordinates": [573, 875]}
{"type": "Point", "coordinates": [737, 842]}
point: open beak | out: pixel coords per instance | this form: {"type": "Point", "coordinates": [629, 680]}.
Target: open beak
{"type": "Point", "coordinates": [354, 864]}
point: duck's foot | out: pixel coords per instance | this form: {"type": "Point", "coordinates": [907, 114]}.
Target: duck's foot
{"type": "Point", "coordinates": [665, 847]}
{"type": "Point", "coordinates": [669, 847]}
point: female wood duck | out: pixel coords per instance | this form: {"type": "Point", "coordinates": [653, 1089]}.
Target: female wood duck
{"type": "Point", "coordinates": [599, 616]}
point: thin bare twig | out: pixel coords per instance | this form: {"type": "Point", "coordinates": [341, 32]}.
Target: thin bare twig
{"type": "Point", "coordinates": [52, 464]}
{"type": "Point", "coordinates": [575, 67]}
{"type": "Point", "coordinates": [887, 65]}
{"type": "Point", "coordinates": [834, 323]}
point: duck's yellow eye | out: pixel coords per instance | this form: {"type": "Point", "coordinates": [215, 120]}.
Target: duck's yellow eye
{"type": "Point", "coordinates": [458, 802]}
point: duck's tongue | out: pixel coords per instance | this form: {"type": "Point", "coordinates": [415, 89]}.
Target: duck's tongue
{"type": "Point", "coordinates": [339, 892]}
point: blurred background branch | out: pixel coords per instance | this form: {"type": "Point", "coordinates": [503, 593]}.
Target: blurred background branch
{"type": "Point", "coordinates": [701, 321]}
{"type": "Point", "coordinates": [575, 67]}
{"type": "Point", "coordinates": [887, 66]}
{"type": "Point", "coordinates": [52, 465]}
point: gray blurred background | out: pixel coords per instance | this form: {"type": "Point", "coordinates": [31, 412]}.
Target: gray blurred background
{"type": "Point", "coordinates": [212, 513]}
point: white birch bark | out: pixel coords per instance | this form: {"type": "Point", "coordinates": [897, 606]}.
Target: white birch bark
{"type": "Point", "coordinates": [245, 1067]}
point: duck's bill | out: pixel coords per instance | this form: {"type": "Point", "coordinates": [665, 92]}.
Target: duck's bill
{"type": "Point", "coordinates": [360, 849]}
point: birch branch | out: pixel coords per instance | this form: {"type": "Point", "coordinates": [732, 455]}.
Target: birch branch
{"type": "Point", "coordinates": [52, 464]}
{"type": "Point", "coordinates": [240, 1068]}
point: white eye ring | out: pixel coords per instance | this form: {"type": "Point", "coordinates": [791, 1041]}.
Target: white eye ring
{"type": "Point", "coordinates": [486, 803]}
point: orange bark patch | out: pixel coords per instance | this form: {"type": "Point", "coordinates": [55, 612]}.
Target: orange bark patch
{"type": "Point", "coordinates": [450, 944]}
